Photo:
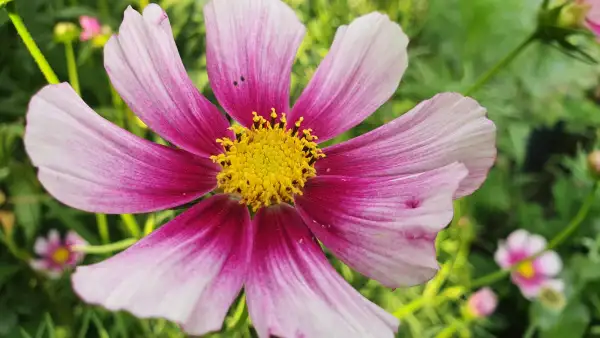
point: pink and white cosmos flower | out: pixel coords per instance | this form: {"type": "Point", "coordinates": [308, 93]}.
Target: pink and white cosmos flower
{"type": "Point", "coordinates": [90, 27]}
{"type": "Point", "coordinates": [377, 201]}
{"type": "Point", "coordinates": [55, 254]}
{"type": "Point", "coordinates": [533, 275]}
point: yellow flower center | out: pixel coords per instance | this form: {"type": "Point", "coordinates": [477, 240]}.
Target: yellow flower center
{"type": "Point", "coordinates": [60, 255]}
{"type": "Point", "coordinates": [526, 269]}
{"type": "Point", "coordinates": [268, 163]}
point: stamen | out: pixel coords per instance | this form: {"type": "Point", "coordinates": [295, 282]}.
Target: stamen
{"type": "Point", "coordinates": [268, 163]}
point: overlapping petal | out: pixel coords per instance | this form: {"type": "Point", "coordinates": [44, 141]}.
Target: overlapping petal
{"type": "Point", "coordinates": [383, 228]}
{"type": "Point", "coordinates": [250, 49]}
{"type": "Point", "coordinates": [292, 291]}
{"type": "Point", "coordinates": [145, 68]}
{"type": "Point", "coordinates": [445, 129]}
{"type": "Point", "coordinates": [188, 271]}
{"type": "Point", "coordinates": [89, 163]}
{"type": "Point", "coordinates": [361, 71]}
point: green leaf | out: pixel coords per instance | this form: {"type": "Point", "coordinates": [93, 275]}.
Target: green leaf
{"type": "Point", "coordinates": [8, 320]}
{"type": "Point", "coordinates": [22, 190]}
{"type": "Point", "coordinates": [572, 322]}
{"type": "Point", "coordinates": [7, 271]}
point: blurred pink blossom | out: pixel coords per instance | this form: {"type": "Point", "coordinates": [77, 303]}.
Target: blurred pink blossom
{"type": "Point", "coordinates": [56, 255]}
{"type": "Point", "coordinates": [592, 15]}
{"type": "Point", "coordinates": [90, 27]}
{"type": "Point", "coordinates": [482, 303]}
{"type": "Point", "coordinates": [533, 275]}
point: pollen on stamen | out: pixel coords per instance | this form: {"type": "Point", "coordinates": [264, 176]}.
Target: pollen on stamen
{"type": "Point", "coordinates": [267, 163]}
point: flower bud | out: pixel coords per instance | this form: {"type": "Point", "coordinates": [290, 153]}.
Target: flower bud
{"type": "Point", "coordinates": [65, 32]}
{"type": "Point", "coordinates": [482, 303]}
{"type": "Point", "coordinates": [551, 298]}
{"type": "Point", "coordinates": [593, 162]}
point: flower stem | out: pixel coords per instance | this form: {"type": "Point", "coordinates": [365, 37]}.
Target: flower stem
{"type": "Point", "coordinates": [32, 47]}
{"type": "Point", "coordinates": [108, 248]}
{"type": "Point", "coordinates": [102, 228]}
{"type": "Point", "coordinates": [500, 65]}
{"type": "Point", "coordinates": [556, 241]}
{"type": "Point", "coordinates": [72, 67]}
{"type": "Point", "coordinates": [131, 225]}
{"type": "Point", "coordinates": [574, 224]}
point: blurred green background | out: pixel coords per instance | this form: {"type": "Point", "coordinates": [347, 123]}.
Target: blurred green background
{"type": "Point", "coordinates": [545, 105]}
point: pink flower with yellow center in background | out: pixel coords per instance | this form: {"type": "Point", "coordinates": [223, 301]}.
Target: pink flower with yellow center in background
{"type": "Point", "coordinates": [90, 27]}
{"type": "Point", "coordinates": [533, 275]}
{"type": "Point", "coordinates": [377, 201]}
{"type": "Point", "coordinates": [55, 254]}
{"type": "Point", "coordinates": [482, 303]}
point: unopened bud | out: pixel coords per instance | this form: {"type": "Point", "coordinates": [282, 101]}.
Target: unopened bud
{"type": "Point", "coordinates": [593, 162]}
{"type": "Point", "coordinates": [7, 220]}
{"type": "Point", "coordinates": [65, 32]}
{"type": "Point", "coordinates": [552, 299]}
{"type": "Point", "coordinates": [481, 304]}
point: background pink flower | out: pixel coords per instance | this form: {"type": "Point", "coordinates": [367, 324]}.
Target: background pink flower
{"type": "Point", "coordinates": [531, 276]}
{"type": "Point", "coordinates": [56, 255]}
{"type": "Point", "coordinates": [592, 16]}
{"type": "Point", "coordinates": [482, 303]}
{"type": "Point", "coordinates": [90, 27]}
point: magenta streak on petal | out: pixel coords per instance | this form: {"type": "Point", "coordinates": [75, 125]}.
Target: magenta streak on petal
{"type": "Point", "coordinates": [368, 224]}
{"type": "Point", "coordinates": [188, 271]}
{"type": "Point", "coordinates": [447, 128]}
{"type": "Point", "coordinates": [89, 163]}
{"type": "Point", "coordinates": [361, 71]}
{"type": "Point", "coordinates": [250, 49]}
{"type": "Point", "coordinates": [292, 290]}
{"type": "Point", "coordinates": [144, 66]}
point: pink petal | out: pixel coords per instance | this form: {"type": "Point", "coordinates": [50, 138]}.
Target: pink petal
{"type": "Point", "coordinates": [250, 49]}
{"type": "Point", "coordinates": [40, 246]}
{"type": "Point", "coordinates": [555, 284]}
{"type": "Point", "coordinates": [145, 68]}
{"type": "Point", "coordinates": [292, 290]}
{"type": "Point", "coordinates": [73, 239]}
{"type": "Point", "coordinates": [517, 240]}
{"type": "Point", "coordinates": [535, 244]}
{"type": "Point", "coordinates": [362, 70]}
{"type": "Point", "coordinates": [188, 271]}
{"type": "Point", "coordinates": [383, 228]}
{"type": "Point", "coordinates": [54, 239]}
{"type": "Point", "coordinates": [447, 128]}
{"type": "Point", "coordinates": [548, 264]}
{"type": "Point", "coordinates": [89, 163]}
{"type": "Point", "coordinates": [502, 256]}
{"type": "Point", "coordinates": [39, 264]}
{"type": "Point", "coordinates": [530, 290]}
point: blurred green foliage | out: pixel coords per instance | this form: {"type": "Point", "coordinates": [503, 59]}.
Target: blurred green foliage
{"type": "Point", "coordinates": [545, 105]}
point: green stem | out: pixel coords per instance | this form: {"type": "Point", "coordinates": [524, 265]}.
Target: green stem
{"type": "Point", "coordinates": [72, 67]}
{"type": "Point", "coordinates": [557, 240]}
{"type": "Point", "coordinates": [574, 224]}
{"type": "Point", "coordinates": [33, 48]}
{"type": "Point", "coordinates": [131, 225]}
{"type": "Point", "coordinates": [500, 65]}
{"type": "Point", "coordinates": [103, 228]}
{"type": "Point", "coordinates": [108, 248]}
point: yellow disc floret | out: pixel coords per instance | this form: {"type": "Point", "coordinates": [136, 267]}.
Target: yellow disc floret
{"type": "Point", "coordinates": [267, 163]}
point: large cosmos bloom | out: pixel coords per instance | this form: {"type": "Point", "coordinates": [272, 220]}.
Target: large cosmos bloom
{"type": "Point", "coordinates": [534, 275]}
{"type": "Point", "coordinates": [377, 201]}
